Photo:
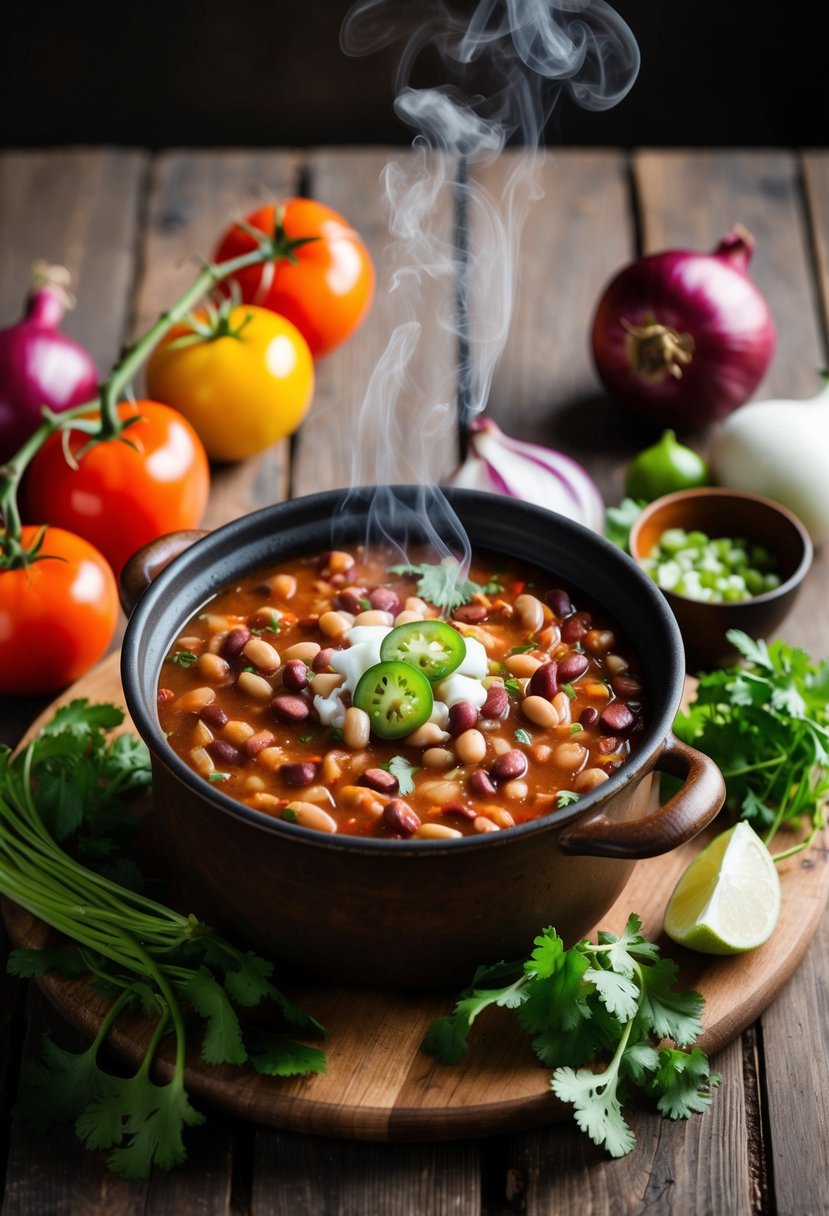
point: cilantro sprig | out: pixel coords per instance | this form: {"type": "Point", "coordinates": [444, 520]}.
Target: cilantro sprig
{"type": "Point", "coordinates": [69, 783]}
{"type": "Point", "coordinates": [765, 723]}
{"type": "Point", "coordinates": [441, 584]}
{"type": "Point", "coordinates": [614, 1000]}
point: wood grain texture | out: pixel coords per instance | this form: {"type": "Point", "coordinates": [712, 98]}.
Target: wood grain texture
{"type": "Point", "coordinates": [397, 425]}
{"type": "Point", "coordinates": [379, 1086]}
{"type": "Point", "coordinates": [576, 235]}
{"type": "Point", "coordinates": [193, 198]}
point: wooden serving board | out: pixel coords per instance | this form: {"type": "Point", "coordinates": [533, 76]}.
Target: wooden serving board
{"type": "Point", "coordinates": [379, 1086]}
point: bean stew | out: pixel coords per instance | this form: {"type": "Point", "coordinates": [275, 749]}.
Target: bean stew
{"type": "Point", "coordinates": [345, 694]}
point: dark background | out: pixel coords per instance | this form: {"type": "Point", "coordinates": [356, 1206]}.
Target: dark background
{"type": "Point", "coordinates": [714, 72]}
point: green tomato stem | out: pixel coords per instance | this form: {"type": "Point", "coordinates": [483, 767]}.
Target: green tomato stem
{"type": "Point", "coordinates": [110, 426]}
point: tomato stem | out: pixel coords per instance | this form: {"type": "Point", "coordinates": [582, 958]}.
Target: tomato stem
{"type": "Point", "coordinates": [109, 425]}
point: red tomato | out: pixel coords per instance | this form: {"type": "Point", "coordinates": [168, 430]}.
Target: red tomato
{"type": "Point", "coordinates": [124, 492]}
{"type": "Point", "coordinates": [57, 615]}
{"type": "Point", "coordinates": [325, 287]}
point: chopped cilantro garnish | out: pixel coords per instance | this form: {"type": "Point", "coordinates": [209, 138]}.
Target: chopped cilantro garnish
{"type": "Point", "coordinates": [566, 798]}
{"type": "Point", "coordinates": [305, 738]}
{"type": "Point", "coordinates": [365, 604]}
{"type": "Point", "coordinates": [441, 583]}
{"type": "Point", "coordinates": [523, 736]}
{"type": "Point", "coordinates": [576, 728]}
{"type": "Point", "coordinates": [403, 770]}
{"type": "Point", "coordinates": [570, 690]}
{"type": "Point", "coordinates": [528, 646]}
{"type": "Point", "coordinates": [335, 734]}
{"type": "Point", "coordinates": [512, 687]}
{"type": "Point", "coordinates": [218, 776]}
{"type": "Point", "coordinates": [290, 814]}
{"type": "Point", "coordinates": [184, 658]}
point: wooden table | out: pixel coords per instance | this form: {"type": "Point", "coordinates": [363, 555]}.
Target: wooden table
{"type": "Point", "coordinates": [129, 226]}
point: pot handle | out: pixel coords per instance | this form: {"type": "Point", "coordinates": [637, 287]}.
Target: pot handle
{"type": "Point", "coordinates": [690, 810]}
{"type": "Point", "coordinates": [148, 562]}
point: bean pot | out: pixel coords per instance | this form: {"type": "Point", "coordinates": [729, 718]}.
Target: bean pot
{"type": "Point", "coordinates": [412, 912]}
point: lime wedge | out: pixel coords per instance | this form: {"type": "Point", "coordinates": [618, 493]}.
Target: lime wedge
{"type": "Point", "coordinates": [728, 899]}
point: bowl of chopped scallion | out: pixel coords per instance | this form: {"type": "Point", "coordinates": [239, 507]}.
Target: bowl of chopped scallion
{"type": "Point", "coordinates": [724, 560]}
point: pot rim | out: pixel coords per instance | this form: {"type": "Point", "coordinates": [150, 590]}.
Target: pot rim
{"type": "Point", "coordinates": [315, 509]}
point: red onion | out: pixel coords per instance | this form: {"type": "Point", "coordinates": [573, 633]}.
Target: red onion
{"type": "Point", "coordinates": [502, 465]}
{"type": "Point", "coordinates": [40, 366]}
{"type": "Point", "coordinates": [684, 338]}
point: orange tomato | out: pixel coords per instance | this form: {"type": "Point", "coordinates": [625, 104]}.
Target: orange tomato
{"type": "Point", "coordinates": [325, 287]}
{"type": "Point", "coordinates": [57, 615]}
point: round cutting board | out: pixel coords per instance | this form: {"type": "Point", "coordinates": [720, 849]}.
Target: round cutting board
{"type": "Point", "coordinates": [379, 1085]}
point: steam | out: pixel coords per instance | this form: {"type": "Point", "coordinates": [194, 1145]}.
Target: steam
{"type": "Point", "coordinates": [525, 53]}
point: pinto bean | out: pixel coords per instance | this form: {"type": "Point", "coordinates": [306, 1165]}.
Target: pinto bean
{"type": "Point", "coordinates": [399, 818]}
{"type": "Point", "coordinates": [530, 612]}
{"type": "Point", "coordinates": [470, 747]}
{"type": "Point", "coordinates": [508, 767]}
{"type": "Point", "coordinates": [262, 655]}
{"type": "Point", "coordinates": [571, 667]}
{"type": "Point", "coordinates": [539, 711]}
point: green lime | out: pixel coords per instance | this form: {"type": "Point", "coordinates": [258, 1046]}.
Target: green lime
{"type": "Point", "coordinates": [728, 899]}
{"type": "Point", "coordinates": [664, 468]}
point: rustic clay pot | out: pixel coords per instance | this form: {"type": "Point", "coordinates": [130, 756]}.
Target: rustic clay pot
{"type": "Point", "coordinates": [413, 912]}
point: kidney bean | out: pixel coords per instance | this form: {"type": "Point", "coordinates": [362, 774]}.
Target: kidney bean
{"type": "Point", "coordinates": [295, 675]}
{"type": "Point", "coordinates": [607, 744]}
{"type": "Point", "coordinates": [383, 599]}
{"type": "Point", "coordinates": [496, 703]}
{"type": "Point", "coordinates": [571, 667]}
{"type": "Point", "coordinates": [589, 716]}
{"type": "Point", "coordinates": [573, 629]}
{"type": "Point", "coordinates": [290, 707]}
{"type": "Point", "coordinates": [482, 784]}
{"type": "Point", "coordinates": [616, 718]}
{"type": "Point", "coordinates": [322, 659]}
{"type": "Point", "coordinates": [399, 818]}
{"type": "Point", "coordinates": [470, 614]}
{"type": "Point", "coordinates": [626, 687]}
{"type": "Point", "coordinates": [302, 773]}
{"type": "Point", "coordinates": [462, 717]}
{"type": "Point", "coordinates": [257, 743]}
{"type": "Point", "coordinates": [351, 599]}
{"type": "Point", "coordinates": [214, 715]}
{"type": "Point", "coordinates": [560, 603]}
{"type": "Point", "coordinates": [235, 642]}
{"type": "Point", "coordinates": [224, 752]}
{"type": "Point", "coordinates": [379, 780]}
{"type": "Point", "coordinates": [509, 766]}
{"type": "Point", "coordinates": [459, 810]}
{"type": "Point", "coordinates": [544, 681]}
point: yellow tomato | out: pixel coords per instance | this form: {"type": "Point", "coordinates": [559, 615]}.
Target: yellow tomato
{"type": "Point", "coordinates": [243, 379]}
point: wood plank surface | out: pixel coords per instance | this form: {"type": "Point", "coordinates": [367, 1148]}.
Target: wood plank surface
{"type": "Point", "coordinates": [126, 224]}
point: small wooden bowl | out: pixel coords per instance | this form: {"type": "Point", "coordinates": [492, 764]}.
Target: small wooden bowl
{"type": "Point", "coordinates": [721, 512]}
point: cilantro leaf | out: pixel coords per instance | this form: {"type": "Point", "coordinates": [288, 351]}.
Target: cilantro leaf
{"type": "Point", "coordinates": [222, 1042]}
{"type": "Point", "coordinates": [684, 1082]}
{"type": "Point", "coordinates": [32, 963]}
{"type": "Point", "coordinates": [619, 521]}
{"type": "Point", "coordinates": [442, 584]}
{"type": "Point", "coordinates": [278, 1055]}
{"type": "Point", "coordinates": [59, 1084]}
{"type": "Point", "coordinates": [404, 771]}
{"type": "Point", "coordinates": [669, 1013]}
{"type": "Point", "coordinates": [154, 1117]}
{"type": "Point", "coordinates": [596, 1107]}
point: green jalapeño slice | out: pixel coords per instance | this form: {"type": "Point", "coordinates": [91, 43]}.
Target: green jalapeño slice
{"type": "Point", "coordinates": [433, 647]}
{"type": "Point", "coordinates": [396, 696]}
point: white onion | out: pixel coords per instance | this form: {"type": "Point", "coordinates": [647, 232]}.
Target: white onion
{"type": "Point", "coordinates": [502, 465]}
